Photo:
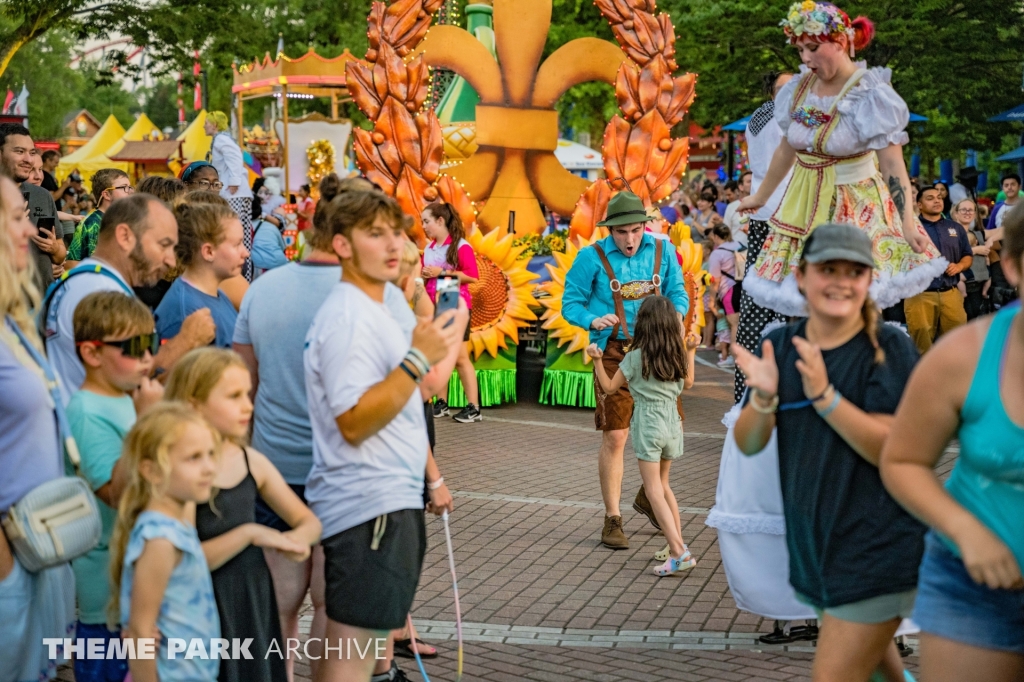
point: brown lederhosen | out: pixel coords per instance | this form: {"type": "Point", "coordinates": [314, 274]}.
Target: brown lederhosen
{"type": "Point", "coordinates": [613, 412]}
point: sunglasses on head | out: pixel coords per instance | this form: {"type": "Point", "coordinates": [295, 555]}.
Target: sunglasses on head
{"type": "Point", "coordinates": [135, 346]}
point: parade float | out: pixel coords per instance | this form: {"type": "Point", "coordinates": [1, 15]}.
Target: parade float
{"type": "Point", "coordinates": [494, 159]}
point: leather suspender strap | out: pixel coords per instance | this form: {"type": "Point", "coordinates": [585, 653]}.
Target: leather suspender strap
{"type": "Point", "coordinates": [656, 278]}
{"type": "Point", "coordinates": [616, 287]}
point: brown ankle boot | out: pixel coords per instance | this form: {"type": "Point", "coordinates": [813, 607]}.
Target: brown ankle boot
{"type": "Point", "coordinates": [612, 536]}
{"type": "Point", "coordinates": [643, 505]}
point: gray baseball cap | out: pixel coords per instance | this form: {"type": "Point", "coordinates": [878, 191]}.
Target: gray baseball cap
{"type": "Point", "coordinates": [835, 241]}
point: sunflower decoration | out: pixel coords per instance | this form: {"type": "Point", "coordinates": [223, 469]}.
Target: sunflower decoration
{"type": "Point", "coordinates": [695, 277]}
{"type": "Point", "coordinates": [558, 327]}
{"type": "Point", "coordinates": [502, 296]}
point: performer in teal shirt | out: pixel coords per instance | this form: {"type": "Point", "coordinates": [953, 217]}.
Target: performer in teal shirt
{"type": "Point", "coordinates": [603, 292]}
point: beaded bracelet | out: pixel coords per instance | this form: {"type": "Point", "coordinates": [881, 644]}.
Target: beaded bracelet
{"type": "Point", "coordinates": [434, 485]}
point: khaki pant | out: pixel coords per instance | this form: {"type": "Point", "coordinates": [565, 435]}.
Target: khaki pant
{"type": "Point", "coordinates": [931, 314]}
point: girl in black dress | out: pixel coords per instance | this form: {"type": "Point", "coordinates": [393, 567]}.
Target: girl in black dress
{"type": "Point", "coordinates": [216, 382]}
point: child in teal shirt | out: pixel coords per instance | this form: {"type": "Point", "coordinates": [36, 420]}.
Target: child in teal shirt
{"type": "Point", "coordinates": [658, 367]}
{"type": "Point", "coordinates": [115, 340]}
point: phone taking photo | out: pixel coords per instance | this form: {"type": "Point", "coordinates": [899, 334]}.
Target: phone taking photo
{"type": "Point", "coordinates": [447, 297]}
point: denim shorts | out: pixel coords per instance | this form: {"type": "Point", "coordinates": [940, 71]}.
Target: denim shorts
{"type": "Point", "coordinates": [951, 605]}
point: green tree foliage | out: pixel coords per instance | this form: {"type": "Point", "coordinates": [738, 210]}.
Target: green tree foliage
{"type": "Point", "coordinates": [956, 62]}
{"type": "Point", "coordinates": [23, 21]}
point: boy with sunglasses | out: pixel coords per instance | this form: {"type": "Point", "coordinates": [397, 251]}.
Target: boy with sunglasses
{"type": "Point", "coordinates": [115, 340]}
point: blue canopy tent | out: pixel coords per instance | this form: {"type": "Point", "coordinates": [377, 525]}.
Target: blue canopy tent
{"type": "Point", "coordinates": [1015, 114]}
{"type": "Point", "coordinates": [1016, 155]}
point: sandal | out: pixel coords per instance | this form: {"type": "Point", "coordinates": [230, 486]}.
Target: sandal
{"type": "Point", "coordinates": [662, 555]}
{"type": "Point", "coordinates": [403, 648]}
{"type": "Point", "coordinates": [673, 565]}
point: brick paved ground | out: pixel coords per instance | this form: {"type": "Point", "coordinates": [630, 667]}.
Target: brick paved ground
{"type": "Point", "coordinates": [542, 600]}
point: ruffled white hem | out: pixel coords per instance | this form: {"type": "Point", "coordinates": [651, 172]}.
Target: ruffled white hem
{"type": "Point", "coordinates": [745, 524]}
{"type": "Point", "coordinates": [888, 290]}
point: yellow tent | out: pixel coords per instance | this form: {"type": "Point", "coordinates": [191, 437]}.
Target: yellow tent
{"type": "Point", "coordinates": [91, 157]}
{"type": "Point", "coordinates": [140, 130]}
{"type": "Point", "coordinates": [196, 143]}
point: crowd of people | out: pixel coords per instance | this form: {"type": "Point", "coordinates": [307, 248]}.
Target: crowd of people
{"type": "Point", "coordinates": [253, 430]}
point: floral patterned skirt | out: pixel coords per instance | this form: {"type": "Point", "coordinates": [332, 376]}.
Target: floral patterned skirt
{"type": "Point", "coordinates": [899, 271]}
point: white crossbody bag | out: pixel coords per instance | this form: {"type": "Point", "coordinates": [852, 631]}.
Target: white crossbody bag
{"type": "Point", "coordinates": [56, 521]}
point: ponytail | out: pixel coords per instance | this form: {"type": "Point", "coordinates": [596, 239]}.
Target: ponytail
{"type": "Point", "coordinates": [870, 314]}
{"type": "Point", "coordinates": [453, 223]}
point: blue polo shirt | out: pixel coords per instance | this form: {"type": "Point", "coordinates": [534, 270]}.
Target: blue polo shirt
{"type": "Point", "coordinates": [588, 293]}
{"type": "Point", "coordinates": [950, 239]}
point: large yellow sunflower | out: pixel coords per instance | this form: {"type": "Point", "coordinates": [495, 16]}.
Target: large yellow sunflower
{"type": "Point", "coordinates": [558, 327]}
{"type": "Point", "coordinates": [502, 296]}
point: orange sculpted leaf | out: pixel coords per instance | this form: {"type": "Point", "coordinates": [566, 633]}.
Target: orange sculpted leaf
{"type": "Point", "coordinates": [359, 78]}
{"type": "Point", "coordinates": [613, 10]}
{"type": "Point", "coordinates": [410, 193]}
{"type": "Point", "coordinates": [627, 84]}
{"type": "Point", "coordinates": [652, 78]}
{"type": "Point", "coordinates": [419, 78]}
{"type": "Point", "coordinates": [407, 21]}
{"type": "Point", "coordinates": [677, 99]}
{"type": "Point", "coordinates": [452, 192]}
{"type": "Point", "coordinates": [672, 170]}
{"type": "Point", "coordinates": [431, 145]}
{"type": "Point", "coordinates": [399, 127]}
{"type": "Point", "coordinates": [590, 209]}
{"type": "Point", "coordinates": [641, 147]}
{"type": "Point", "coordinates": [392, 132]}
{"type": "Point", "coordinates": [668, 33]}
{"type": "Point", "coordinates": [390, 74]}
{"type": "Point", "coordinates": [370, 161]}
{"type": "Point", "coordinates": [375, 20]}
{"type": "Point", "coordinates": [616, 137]}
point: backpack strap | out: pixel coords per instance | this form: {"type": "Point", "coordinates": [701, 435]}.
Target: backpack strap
{"type": "Point", "coordinates": [616, 287]}
{"type": "Point", "coordinates": [97, 269]}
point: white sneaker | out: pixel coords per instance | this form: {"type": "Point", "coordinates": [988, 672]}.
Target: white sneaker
{"type": "Point", "coordinates": [727, 363]}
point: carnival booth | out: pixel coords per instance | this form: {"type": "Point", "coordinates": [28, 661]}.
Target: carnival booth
{"type": "Point", "coordinates": [91, 156]}
{"type": "Point", "coordinates": [306, 143]}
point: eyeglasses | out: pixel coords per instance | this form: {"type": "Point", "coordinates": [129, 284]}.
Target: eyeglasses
{"type": "Point", "coordinates": [127, 189]}
{"type": "Point", "coordinates": [216, 185]}
{"type": "Point", "coordinates": [966, 210]}
{"type": "Point", "coordinates": [133, 347]}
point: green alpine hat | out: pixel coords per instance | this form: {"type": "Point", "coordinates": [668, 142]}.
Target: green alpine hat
{"type": "Point", "coordinates": [625, 208]}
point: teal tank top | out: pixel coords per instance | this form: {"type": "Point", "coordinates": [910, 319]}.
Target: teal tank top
{"type": "Point", "coordinates": [988, 479]}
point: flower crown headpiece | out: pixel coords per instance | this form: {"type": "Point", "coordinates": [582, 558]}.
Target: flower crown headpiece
{"type": "Point", "coordinates": [821, 20]}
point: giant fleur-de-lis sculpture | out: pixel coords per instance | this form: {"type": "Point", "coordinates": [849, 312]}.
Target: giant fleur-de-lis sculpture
{"type": "Point", "coordinates": [516, 122]}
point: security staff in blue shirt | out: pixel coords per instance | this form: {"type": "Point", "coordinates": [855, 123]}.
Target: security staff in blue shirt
{"type": "Point", "coordinates": [603, 292]}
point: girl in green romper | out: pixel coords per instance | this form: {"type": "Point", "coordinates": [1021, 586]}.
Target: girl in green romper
{"type": "Point", "coordinates": [657, 368]}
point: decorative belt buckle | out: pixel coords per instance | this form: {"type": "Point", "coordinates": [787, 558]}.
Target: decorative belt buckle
{"type": "Point", "coordinates": [637, 289]}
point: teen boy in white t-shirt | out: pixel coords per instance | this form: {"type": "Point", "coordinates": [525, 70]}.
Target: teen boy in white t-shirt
{"type": "Point", "coordinates": [369, 433]}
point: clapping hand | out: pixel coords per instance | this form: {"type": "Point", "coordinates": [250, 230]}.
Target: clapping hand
{"type": "Point", "coordinates": [811, 366]}
{"type": "Point", "coordinates": [762, 373]}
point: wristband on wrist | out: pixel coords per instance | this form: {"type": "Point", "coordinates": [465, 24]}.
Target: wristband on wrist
{"type": "Point", "coordinates": [434, 485]}
{"type": "Point", "coordinates": [412, 375]}
{"type": "Point", "coordinates": [836, 397]}
{"type": "Point", "coordinates": [764, 409]}
{"type": "Point", "coordinates": [420, 357]}
{"type": "Point", "coordinates": [824, 393]}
